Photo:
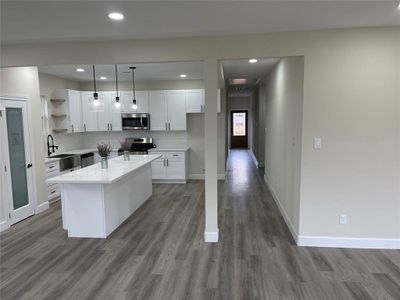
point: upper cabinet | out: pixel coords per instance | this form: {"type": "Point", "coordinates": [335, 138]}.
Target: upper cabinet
{"type": "Point", "coordinates": [195, 101]}
{"type": "Point", "coordinates": [167, 110]}
{"type": "Point", "coordinates": [158, 110]}
{"type": "Point", "coordinates": [142, 101]}
{"type": "Point", "coordinates": [68, 114]}
{"type": "Point", "coordinates": [176, 110]}
{"type": "Point", "coordinates": [104, 117]}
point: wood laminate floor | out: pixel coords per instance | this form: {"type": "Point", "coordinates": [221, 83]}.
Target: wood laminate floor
{"type": "Point", "coordinates": [159, 253]}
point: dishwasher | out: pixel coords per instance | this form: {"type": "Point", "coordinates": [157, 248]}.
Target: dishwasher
{"type": "Point", "coordinates": [87, 159]}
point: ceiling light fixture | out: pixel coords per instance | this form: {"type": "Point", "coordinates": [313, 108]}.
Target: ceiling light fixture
{"type": "Point", "coordinates": [116, 16]}
{"type": "Point", "coordinates": [183, 76]}
{"type": "Point", "coordinates": [134, 105]}
{"type": "Point", "coordinates": [253, 60]}
{"type": "Point", "coordinates": [117, 104]}
{"type": "Point", "coordinates": [103, 77]}
{"type": "Point", "coordinates": [80, 70]}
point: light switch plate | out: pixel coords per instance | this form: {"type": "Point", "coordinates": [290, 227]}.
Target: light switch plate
{"type": "Point", "coordinates": [342, 219]}
{"type": "Point", "coordinates": [317, 143]}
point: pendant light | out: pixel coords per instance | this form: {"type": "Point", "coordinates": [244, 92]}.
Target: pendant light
{"type": "Point", "coordinates": [134, 105]}
{"type": "Point", "coordinates": [117, 104]}
{"type": "Point", "coordinates": [95, 101]}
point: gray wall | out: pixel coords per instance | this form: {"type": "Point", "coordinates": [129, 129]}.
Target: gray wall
{"type": "Point", "coordinates": [284, 102]}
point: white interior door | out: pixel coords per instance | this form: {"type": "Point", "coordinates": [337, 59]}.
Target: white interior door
{"type": "Point", "coordinates": [17, 160]}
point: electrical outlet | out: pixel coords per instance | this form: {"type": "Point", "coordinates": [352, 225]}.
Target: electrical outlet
{"type": "Point", "coordinates": [342, 219]}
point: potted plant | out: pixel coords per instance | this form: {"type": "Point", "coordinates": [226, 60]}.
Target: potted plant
{"type": "Point", "coordinates": [104, 151]}
{"type": "Point", "coordinates": [125, 145]}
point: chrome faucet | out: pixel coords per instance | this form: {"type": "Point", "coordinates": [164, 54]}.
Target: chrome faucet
{"type": "Point", "coordinates": [52, 147]}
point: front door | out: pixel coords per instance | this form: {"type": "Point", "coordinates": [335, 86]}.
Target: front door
{"type": "Point", "coordinates": [16, 160]}
{"type": "Point", "coordinates": [239, 130]}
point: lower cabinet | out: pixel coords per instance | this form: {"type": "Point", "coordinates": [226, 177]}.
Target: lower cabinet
{"type": "Point", "coordinates": [170, 167]}
{"type": "Point", "coordinates": [52, 169]}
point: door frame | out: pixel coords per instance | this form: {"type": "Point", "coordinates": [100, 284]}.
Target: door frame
{"type": "Point", "coordinates": [231, 112]}
{"type": "Point", "coordinates": [32, 180]}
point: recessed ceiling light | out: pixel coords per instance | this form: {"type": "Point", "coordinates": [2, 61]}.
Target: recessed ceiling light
{"type": "Point", "coordinates": [116, 16]}
{"type": "Point", "coordinates": [235, 81]}
{"type": "Point", "coordinates": [80, 70]}
{"type": "Point", "coordinates": [253, 60]}
{"type": "Point", "coordinates": [103, 77]}
{"type": "Point", "coordinates": [183, 76]}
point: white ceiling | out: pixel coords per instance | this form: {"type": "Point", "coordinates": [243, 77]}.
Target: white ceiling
{"type": "Point", "coordinates": [234, 69]}
{"type": "Point", "coordinates": [148, 71]}
{"type": "Point", "coordinates": [39, 21]}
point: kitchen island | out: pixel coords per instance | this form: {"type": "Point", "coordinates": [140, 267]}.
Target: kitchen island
{"type": "Point", "coordinates": [96, 201]}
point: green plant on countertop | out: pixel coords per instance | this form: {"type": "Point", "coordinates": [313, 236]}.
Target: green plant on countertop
{"type": "Point", "coordinates": [104, 149]}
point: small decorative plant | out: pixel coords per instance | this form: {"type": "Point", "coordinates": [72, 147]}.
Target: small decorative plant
{"type": "Point", "coordinates": [104, 149]}
{"type": "Point", "coordinates": [125, 145]}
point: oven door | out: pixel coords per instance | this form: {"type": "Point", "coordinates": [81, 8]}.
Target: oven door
{"type": "Point", "coordinates": [131, 121]}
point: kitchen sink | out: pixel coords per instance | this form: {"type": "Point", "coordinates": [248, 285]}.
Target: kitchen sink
{"type": "Point", "coordinates": [68, 161]}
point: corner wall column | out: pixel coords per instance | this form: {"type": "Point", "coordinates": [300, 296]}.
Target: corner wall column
{"type": "Point", "coordinates": [211, 151]}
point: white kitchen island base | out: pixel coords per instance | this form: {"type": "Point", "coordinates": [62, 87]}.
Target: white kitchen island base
{"type": "Point", "coordinates": [96, 210]}
{"type": "Point", "coordinates": [96, 201]}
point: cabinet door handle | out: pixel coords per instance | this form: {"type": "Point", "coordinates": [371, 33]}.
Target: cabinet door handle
{"type": "Point", "coordinates": [72, 128]}
{"type": "Point", "coordinates": [166, 126]}
{"type": "Point", "coordinates": [111, 126]}
{"type": "Point", "coordinates": [164, 162]}
{"type": "Point", "coordinates": [108, 126]}
{"type": "Point", "coordinates": [167, 162]}
{"type": "Point", "coordinates": [169, 126]}
{"type": "Point", "coordinates": [84, 127]}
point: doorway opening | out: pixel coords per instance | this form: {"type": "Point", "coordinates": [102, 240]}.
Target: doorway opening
{"type": "Point", "coordinates": [239, 129]}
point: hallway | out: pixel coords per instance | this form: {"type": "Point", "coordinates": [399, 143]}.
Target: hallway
{"type": "Point", "coordinates": [159, 253]}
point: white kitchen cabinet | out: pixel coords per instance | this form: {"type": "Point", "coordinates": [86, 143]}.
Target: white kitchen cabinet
{"type": "Point", "coordinates": [68, 115]}
{"type": "Point", "coordinates": [176, 110]}
{"type": "Point", "coordinates": [105, 117]}
{"type": "Point", "coordinates": [158, 110]}
{"type": "Point", "coordinates": [195, 101]}
{"type": "Point", "coordinates": [142, 101]}
{"type": "Point", "coordinates": [89, 117]}
{"type": "Point", "coordinates": [109, 117]}
{"type": "Point", "coordinates": [159, 171]}
{"type": "Point", "coordinates": [167, 110]}
{"type": "Point", "coordinates": [170, 167]}
{"type": "Point", "coordinates": [52, 169]}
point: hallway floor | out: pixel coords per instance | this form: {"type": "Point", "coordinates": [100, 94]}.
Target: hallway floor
{"type": "Point", "coordinates": [159, 253]}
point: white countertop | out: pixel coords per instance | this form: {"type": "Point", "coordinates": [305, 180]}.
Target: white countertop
{"type": "Point", "coordinates": [184, 149]}
{"type": "Point", "coordinates": [117, 169]}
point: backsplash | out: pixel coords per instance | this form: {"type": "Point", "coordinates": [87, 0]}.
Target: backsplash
{"type": "Point", "coordinates": [161, 139]}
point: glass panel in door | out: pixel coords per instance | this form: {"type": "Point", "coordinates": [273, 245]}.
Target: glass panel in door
{"type": "Point", "coordinates": [15, 132]}
{"type": "Point", "coordinates": [239, 124]}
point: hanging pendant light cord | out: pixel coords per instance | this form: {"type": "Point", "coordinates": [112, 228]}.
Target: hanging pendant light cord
{"type": "Point", "coordinates": [94, 79]}
{"type": "Point", "coordinates": [133, 83]}
{"type": "Point", "coordinates": [116, 78]}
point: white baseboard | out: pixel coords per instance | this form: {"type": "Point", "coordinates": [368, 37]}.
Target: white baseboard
{"type": "Point", "coordinates": [333, 242]}
{"type": "Point", "coordinates": [202, 176]}
{"type": "Point", "coordinates": [42, 207]}
{"type": "Point", "coordinates": [344, 242]}
{"type": "Point", "coordinates": [282, 211]}
{"type": "Point", "coordinates": [4, 225]}
{"type": "Point", "coordinates": [254, 158]}
{"type": "Point", "coordinates": [211, 236]}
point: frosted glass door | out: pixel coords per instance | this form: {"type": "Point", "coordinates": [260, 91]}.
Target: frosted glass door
{"type": "Point", "coordinates": [16, 146]}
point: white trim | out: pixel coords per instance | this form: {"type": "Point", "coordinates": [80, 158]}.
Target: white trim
{"type": "Point", "coordinates": [202, 176]}
{"type": "Point", "coordinates": [333, 242]}
{"type": "Point", "coordinates": [4, 225]}
{"type": "Point", "coordinates": [211, 236]}
{"type": "Point", "coordinates": [254, 158]}
{"type": "Point", "coordinates": [345, 242]}
{"type": "Point", "coordinates": [282, 211]}
{"type": "Point", "coordinates": [42, 207]}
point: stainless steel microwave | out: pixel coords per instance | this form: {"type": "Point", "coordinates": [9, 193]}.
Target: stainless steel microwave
{"type": "Point", "coordinates": [135, 121]}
